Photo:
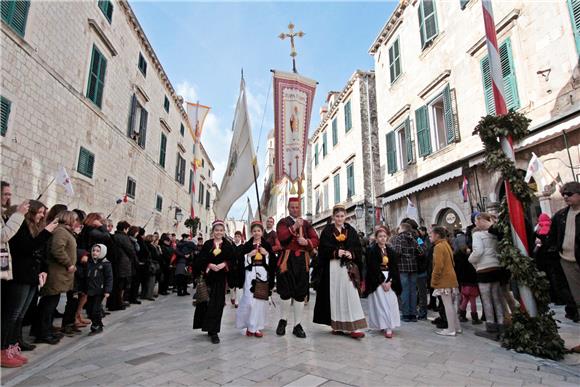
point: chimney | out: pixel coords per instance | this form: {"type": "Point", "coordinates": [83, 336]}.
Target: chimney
{"type": "Point", "coordinates": [323, 111]}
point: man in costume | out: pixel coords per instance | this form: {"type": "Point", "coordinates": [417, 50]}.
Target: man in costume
{"type": "Point", "coordinates": [297, 238]}
{"type": "Point", "coordinates": [271, 236]}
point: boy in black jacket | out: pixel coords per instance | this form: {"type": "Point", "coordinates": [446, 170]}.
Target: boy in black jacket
{"type": "Point", "coordinates": [99, 283]}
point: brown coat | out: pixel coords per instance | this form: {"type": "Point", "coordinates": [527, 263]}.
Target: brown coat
{"type": "Point", "coordinates": [62, 254]}
{"type": "Point", "coordinates": [443, 276]}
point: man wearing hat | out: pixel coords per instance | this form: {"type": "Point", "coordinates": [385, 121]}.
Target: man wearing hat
{"type": "Point", "coordinates": [297, 238]}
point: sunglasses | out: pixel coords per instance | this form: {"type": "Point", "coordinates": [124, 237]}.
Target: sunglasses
{"type": "Point", "coordinates": [568, 194]}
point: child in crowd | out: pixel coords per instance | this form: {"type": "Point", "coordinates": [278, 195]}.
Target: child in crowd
{"type": "Point", "coordinates": [99, 284]}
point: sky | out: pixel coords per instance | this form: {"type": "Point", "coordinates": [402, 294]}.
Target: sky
{"type": "Point", "coordinates": [203, 47]}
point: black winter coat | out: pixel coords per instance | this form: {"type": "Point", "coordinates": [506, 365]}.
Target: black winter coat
{"type": "Point", "coordinates": [374, 275]}
{"type": "Point", "coordinates": [125, 253]}
{"type": "Point", "coordinates": [557, 231]}
{"type": "Point", "coordinates": [28, 255]}
{"type": "Point", "coordinates": [91, 235]}
{"type": "Point", "coordinates": [99, 278]}
{"type": "Point", "coordinates": [248, 247]}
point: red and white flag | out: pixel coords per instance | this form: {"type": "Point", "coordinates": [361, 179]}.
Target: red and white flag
{"type": "Point", "coordinates": [293, 99]}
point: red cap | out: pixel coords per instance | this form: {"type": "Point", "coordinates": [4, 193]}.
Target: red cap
{"type": "Point", "coordinates": [256, 223]}
{"type": "Point", "coordinates": [293, 200]}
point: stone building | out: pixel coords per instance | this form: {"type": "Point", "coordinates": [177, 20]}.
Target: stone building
{"type": "Point", "coordinates": [345, 161]}
{"type": "Point", "coordinates": [82, 88]}
{"type": "Point", "coordinates": [433, 85]}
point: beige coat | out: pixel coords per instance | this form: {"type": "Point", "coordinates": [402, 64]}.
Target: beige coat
{"type": "Point", "coordinates": [61, 255]}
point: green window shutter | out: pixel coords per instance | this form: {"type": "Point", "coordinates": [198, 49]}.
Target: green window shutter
{"type": "Point", "coordinates": [107, 7]}
{"type": "Point", "coordinates": [166, 104]}
{"type": "Point", "coordinates": [131, 188]}
{"type": "Point", "coordinates": [4, 115]}
{"type": "Point", "coordinates": [408, 142]}
{"type": "Point", "coordinates": [96, 77]}
{"type": "Point", "coordinates": [421, 23]}
{"type": "Point", "coordinates": [182, 130]}
{"type": "Point", "coordinates": [448, 113]}
{"type": "Point", "coordinates": [391, 62]}
{"type": "Point", "coordinates": [159, 203]}
{"type": "Point", "coordinates": [143, 128]}
{"type": "Point", "coordinates": [15, 13]}
{"type": "Point", "coordinates": [395, 61]}
{"type": "Point", "coordinates": [509, 79]}
{"type": "Point", "coordinates": [163, 150]}
{"type": "Point", "coordinates": [347, 117]}
{"type": "Point", "coordinates": [574, 7]}
{"type": "Point", "coordinates": [350, 181]}
{"type": "Point", "coordinates": [427, 22]}
{"type": "Point", "coordinates": [336, 181]}
{"type": "Point", "coordinates": [334, 132]}
{"type": "Point", "coordinates": [423, 131]}
{"type": "Point", "coordinates": [463, 3]}
{"type": "Point", "coordinates": [142, 65]}
{"type": "Point", "coordinates": [391, 153]}
{"type": "Point", "coordinates": [324, 145]}
{"type": "Point", "coordinates": [86, 163]}
{"type": "Point", "coordinates": [132, 111]}
{"type": "Point", "coordinates": [316, 154]}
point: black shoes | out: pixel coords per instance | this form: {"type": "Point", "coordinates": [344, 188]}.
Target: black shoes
{"type": "Point", "coordinates": [215, 339]}
{"type": "Point", "coordinates": [137, 302]}
{"type": "Point", "coordinates": [96, 330]}
{"type": "Point", "coordinates": [47, 340]}
{"type": "Point", "coordinates": [281, 330]}
{"type": "Point", "coordinates": [26, 346]}
{"type": "Point", "coordinates": [299, 332]}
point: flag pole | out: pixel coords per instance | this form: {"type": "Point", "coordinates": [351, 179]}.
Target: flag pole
{"type": "Point", "coordinates": [148, 220]}
{"type": "Point", "coordinates": [46, 189]}
{"type": "Point", "coordinates": [254, 162]}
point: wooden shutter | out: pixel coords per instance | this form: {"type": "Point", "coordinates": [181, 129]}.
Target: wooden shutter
{"type": "Point", "coordinates": [408, 142]}
{"type": "Point", "coordinates": [15, 13]}
{"type": "Point", "coordinates": [392, 62]}
{"type": "Point", "coordinates": [324, 145]}
{"type": "Point", "coordinates": [316, 154]}
{"type": "Point", "coordinates": [574, 6]}
{"type": "Point", "coordinates": [423, 131]}
{"type": "Point", "coordinates": [421, 23]}
{"type": "Point", "coordinates": [509, 79]}
{"type": "Point", "coordinates": [86, 163]}
{"type": "Point", "coordinates": [347, 117]}
{"type": "Point", "coordinates": [448, 113]}
{"type": "Point", "coordinates": [336, 179]}
{"type": "Point", "coordinates": [163, 150]}
{"type": "Point", "coordinates": [101, 79]}
{"type": "Point", "coordinates": [334, 132]}
{"type": "Point", "coordinates": [391, 153]}
{"type": "Point", "coordinates": [428, 28]}
{"type": "Point", "coordinates": [143, 128]}
{"type": "Point", "coordinates": [132, 110]}
{"type": "Point", "coordinates": [4, 115]}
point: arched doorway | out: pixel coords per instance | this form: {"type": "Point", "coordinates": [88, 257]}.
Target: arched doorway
{"type": "Point", "coordinates": [449, 219]}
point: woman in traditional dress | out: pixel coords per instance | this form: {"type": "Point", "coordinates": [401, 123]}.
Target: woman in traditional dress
{"type": "Point", "coordinates": [337, 299]}
{"type": "Point", "coordinates": [383, 285]}
{"type": "Point", "coordinates": [213, 264]}
{"type": "Point", "coordinates": [259, 265]}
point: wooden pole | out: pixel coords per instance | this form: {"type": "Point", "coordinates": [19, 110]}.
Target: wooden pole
{"type": "Point", "coordinates": [256, 186]}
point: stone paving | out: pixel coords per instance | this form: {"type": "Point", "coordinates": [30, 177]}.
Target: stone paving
{"type": "Point", "coordinates": [153, 345]}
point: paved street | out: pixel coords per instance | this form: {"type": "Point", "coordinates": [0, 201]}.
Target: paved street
{"type": "Point", "coordinates": [153, 344]}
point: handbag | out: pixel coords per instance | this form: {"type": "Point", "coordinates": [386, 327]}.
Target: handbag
{"type": "Point", "coordinates": [261, 289]}
{"type": "Point", "coordinates": [202, 290]}
{"type": "Point", "coordinates": [354, 275]}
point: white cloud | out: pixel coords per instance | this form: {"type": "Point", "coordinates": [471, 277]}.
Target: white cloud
{"type": "Point", "coordinates": [187, 91]}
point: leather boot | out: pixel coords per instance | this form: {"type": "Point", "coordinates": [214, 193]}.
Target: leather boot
{"type": "Point", "coordinates": [24, 345]}
{"type": "Point", "coordinates": [475, 319]}
{"type": "Point", "coordinates": [462, 315]}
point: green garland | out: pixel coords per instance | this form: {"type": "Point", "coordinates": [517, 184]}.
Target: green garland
{"type": "Point", "coordinates": [537, 336]}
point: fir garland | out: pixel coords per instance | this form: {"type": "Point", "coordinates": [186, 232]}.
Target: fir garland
{"type": "Point", "coordinates": [537, 336]}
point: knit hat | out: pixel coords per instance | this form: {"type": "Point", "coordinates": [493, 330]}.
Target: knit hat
{"type": "Point", "coordinates": [544, 223]}
{"type": "Point", "coordinates": [103, 252]}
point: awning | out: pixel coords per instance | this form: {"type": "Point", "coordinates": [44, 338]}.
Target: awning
{"type": "Point", "coordinates": [534, 138]}
{"type": "Point", "coordinates": [424, 185]}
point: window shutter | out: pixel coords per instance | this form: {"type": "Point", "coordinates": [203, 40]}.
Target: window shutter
{"type": "Point", "coordinates": [391, 153]}
{"type": "Point", "coordinates": [336, 188]}
{"type": "Point", "coordinates": [487, 89]}
{"type": "Point", "coordinates": [347, 117]}
{"type": "Point", "coordinates": [101, 79]}
{"type": "Point", "coordinates": [448, 113]}
{"type": "Point", "coordinates": [163, 150]}
{"type": "Point", "coordinates": [574, 6]}
{"type": "Point", "coordinates": [421, 24]}
{"type": "Point", "coordinates": [4, 115]}
{"type": "Point", "coordinates": [463, 3]}
{"type": "Point", "coordinates": [392, 62]}
{"type": "Point", "coordinates": [143, 128]}
{"type": "Point", "coordinates": [423, 132]}
{"type": "Point", "coordinates": [316, 154]}
{"type": "Point", "coordinates": [427, 22]}
{"type": "Point", "coordinates": [132, 110]}
{"type": "Point", "coordinates": [409, 142]}
{"type": "Point", "coordinates": [334, 132]}
{"type": "Point", "coordinates": [15, 13]}
{"type": "Point", "coordinates": [86, 163]}
{"type": "Point", "coordinates": [509, 76]}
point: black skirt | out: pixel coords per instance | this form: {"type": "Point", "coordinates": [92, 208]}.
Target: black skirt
{"type": "Point", "coordinates": [294, 282]}
{"type": "Point", "coordinates": [208, 315]}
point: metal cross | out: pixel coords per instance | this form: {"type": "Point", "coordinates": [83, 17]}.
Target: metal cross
{"type": "Point", "coordinates": [291, 34]}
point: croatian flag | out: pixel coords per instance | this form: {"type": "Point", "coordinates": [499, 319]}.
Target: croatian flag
{"type": "Point", "coordinates": [122, 199]}
{"type": "Point", "coordinates": [465, 190]}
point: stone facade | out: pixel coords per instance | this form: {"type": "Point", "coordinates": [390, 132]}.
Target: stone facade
{"type": "Point", "coordinates": [347, 150]}
{"type": "Point", "coordinates": [439, 77]}
{"type": "Point", "coordinates": [45, 76]}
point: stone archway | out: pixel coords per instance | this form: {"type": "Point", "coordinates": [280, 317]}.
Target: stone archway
{"type": "Point", "coordinates": [448, 204]}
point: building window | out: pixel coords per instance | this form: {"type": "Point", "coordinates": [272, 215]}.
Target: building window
{"type": "Point", "coordinates": [436, 123]}
{"type": "Point", "coordinates": [349, 181]}
{"type": "Point", "coordinates": [427, 22]}
{"type": "Point", "coordinates": [207, 198]}
{"type": "Point", "coordinates": [317, 199]}
{"type": "Point", "coordinates": [4, 115]}
{"type": "Point", "coordinates": [209, 173]}
{"type": "Point", "coordinates": [201, 193]}
{"type": "Point", "coordinates": [509, 77]}
{"type": "Point", "coordinates": [86, 163]}
{"type": "Point", "coordinates": [395, 60]}
{"type": "Point", "coordinates": [96, 77]}
{"type": "Point", "coordinates": [463, 3]}
{"type": "Point", "coordinates": [131, 187]}
{"type": "Point", "coordinates": [334, 132]}
{"type": "Point", "coordinates": [190, 189]}
{"type": "Point", "coordinates": [391, 153]}
{"type": "Point", "coordinates": [15, 13]}
{"type": "Point", "coordinates": [159, 203]}
{"type": "Point", "coordinates": [404, 152]}
{"type": "Point", "coordinates": [180, 170]}
{"type": "Point", "coordinates": [347, 117]}
{"type": "Point", "coordinates": [203, 163]}
{"type": "Point", "coordinates": [324, 145]}
{"type": "Point", "coordinates": [182, 130]}
{"type": "Point", "coordinates": [336, 181]}
{"type": "Point", "coordinates": [166, 104]}
{"type": "Point", "coordinates": [107, 7]}
{"type": "Point", "coordinates": [142, 65]}
{"type": "Point", "coordinates": [163, 150]}
{"type": "Point", "coordinates": [137, 127]}
{"type": "Point", "coordinates": [574, 7]}
{"type": "Point", "coordinates": [325, 196]}
{"type": "Point", "coordinates": [316, 154]}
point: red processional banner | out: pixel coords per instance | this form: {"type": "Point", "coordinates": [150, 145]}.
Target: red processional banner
{"type": "Point", "coordinates": [293, 99]}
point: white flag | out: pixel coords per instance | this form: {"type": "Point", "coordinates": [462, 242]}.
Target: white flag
{"type": "Point", "coordinates": [536, 170]}
{"type": "Point", "coordinates": [250, 216]}
{"type": "Point", "coordinates": [412, 210]}
{"type": "Point", "coordinates": [239, 175]}
{"type": "Point", "coordinates": [63, 179]}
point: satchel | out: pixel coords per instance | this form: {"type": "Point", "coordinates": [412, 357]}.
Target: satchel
{"type": "Point", "coordinates": [261, 289]}
{"type": "Point", "coordinates": [202, 290]}
{"type": "Point", "coordinates": [354, 275]}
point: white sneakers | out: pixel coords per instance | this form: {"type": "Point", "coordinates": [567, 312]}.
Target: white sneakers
{"type": "Point", "coordinates": [445, 332]}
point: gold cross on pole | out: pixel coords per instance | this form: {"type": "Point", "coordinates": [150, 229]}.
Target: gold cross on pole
{"type": "Point", "coordinates": [291, 34]}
